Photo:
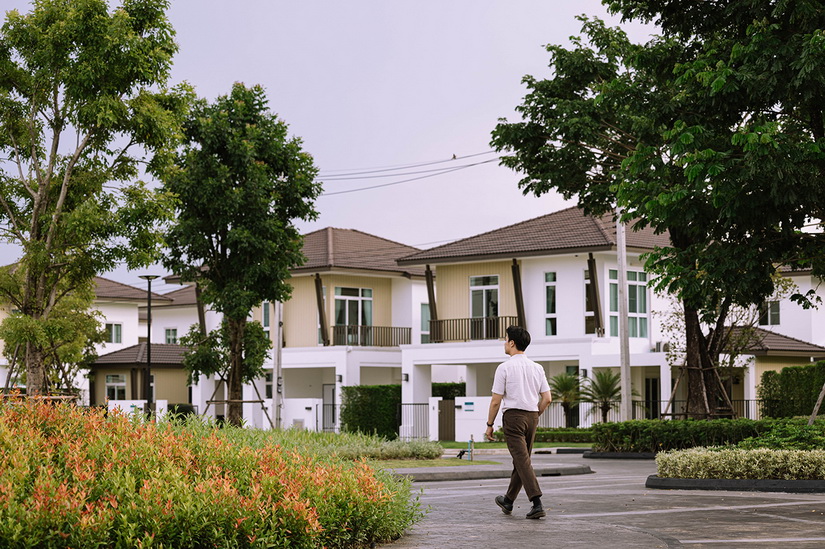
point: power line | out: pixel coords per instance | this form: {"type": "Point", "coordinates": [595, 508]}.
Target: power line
{"type": "Point", "coordinates": [347, 178]}
{"type": "Point", "coordinates": [378, 169]}
{"type": "Point", "coordinates": [445, 171]}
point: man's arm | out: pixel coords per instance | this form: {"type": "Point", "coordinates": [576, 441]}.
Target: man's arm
{"type": "Point", "coordinates": [495, 404]}
{"type": "Point", "coordinates": [546, 399]}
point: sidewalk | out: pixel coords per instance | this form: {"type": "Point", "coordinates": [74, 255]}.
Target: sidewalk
{"type": "Point", "coordinates": [609, 506]}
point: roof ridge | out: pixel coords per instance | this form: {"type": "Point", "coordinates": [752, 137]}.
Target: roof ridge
{"type": "Point", "coordinates": [330, 246]}
{"type": "Point", "coordinates": [598, 223]}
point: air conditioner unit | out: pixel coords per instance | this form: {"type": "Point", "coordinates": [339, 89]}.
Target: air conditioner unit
{"type": "Point", "coordinates": [661, 347]}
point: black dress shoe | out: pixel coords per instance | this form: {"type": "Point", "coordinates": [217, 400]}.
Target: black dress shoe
{"type": "Point", "coordinates": [536, 512]}
{"type": "Point", "coordinates": [506, 508]}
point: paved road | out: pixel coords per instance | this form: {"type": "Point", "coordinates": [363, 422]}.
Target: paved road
{"type": "Point", "coordinates": [611, 507]}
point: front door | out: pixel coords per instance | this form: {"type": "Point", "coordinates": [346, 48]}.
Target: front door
{"type": "Point", "coordinates": [329, 413]}
{"type": "Point", "coordinates": [484, 307]}
{"type": "Point", "coordinates": [446, 420]}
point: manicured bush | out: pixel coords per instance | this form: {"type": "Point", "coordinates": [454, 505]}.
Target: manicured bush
{"type": "Point", "coordinates": [73, 478]}
{"type": "Point", "coordinates": [738, 463]}
{"type": "Point", "coordinates": [792, 391]}
{"type": "Point", "coordinates": [371, 409]}
{"type": "Point", "coordinates": [789, 436]}
{"type": "Point", "coordinates": [563, 434]}
{"type": "Point", "coordinates": [652, 435]}
{"type": "Point", "coordinates": [449, 391]}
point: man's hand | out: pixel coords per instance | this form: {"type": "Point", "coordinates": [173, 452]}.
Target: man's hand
{"type": "Point", "coordinates": [488, 434]}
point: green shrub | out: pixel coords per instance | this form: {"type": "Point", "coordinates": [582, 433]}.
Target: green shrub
{"type": "Point", "coordinates": [789, 436]}
{"type": "Point", "coordinates": [82, 479]}
{"type": "Point", "coordinates": [449, 391]}
{"type": "Point", "coordinates": [792, 391]}
{"type": "Point", "coordinates": [371, 409]}
{"type": "Point", "coordinates": [652, 435]}
{"type": "Point", "coordinates": [563, 434]}
{"type": "Point", "coordinates": [738, 463]}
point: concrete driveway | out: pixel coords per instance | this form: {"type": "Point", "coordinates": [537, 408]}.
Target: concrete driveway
{"type": "Point", "coordinates": [611, 507]}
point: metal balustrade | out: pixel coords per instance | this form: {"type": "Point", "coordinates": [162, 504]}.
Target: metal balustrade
{"type": "Point", "coordinates": [371, 336]}
{"type": "Point", "coordinates": [470, 329]}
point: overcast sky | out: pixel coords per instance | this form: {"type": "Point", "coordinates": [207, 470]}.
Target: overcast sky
{"type": "Point", "coordinates": [370, 85]}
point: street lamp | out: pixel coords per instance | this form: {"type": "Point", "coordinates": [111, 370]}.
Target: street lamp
{"type": "Point", "coordinates": [147, 385]}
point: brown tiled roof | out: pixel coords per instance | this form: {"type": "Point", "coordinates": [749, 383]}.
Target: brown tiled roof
{"type": "Point", "coordinates": [565, 231]}
{"type": "Point", "coordinates": [182, 296]}
{"type": "Point", "coordinates": [109, 289]}
{"type": "Point", "coordinates": [330, 249]}
{"type": "Point", "coordinates": [765, 342]}
{"type": "Point", "coordinates": [165, 354]}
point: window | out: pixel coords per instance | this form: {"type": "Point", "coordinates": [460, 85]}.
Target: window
{"type": "Point", "coordinates": [484, 307]}
{"type": "Point", "coordinates": [589, 314]}
{"type": "Point", "coordinates": [425, 323]}
{"type": "Point", "coordinates": [265, 317]}
{"type": "Point", "coordinates": [268, 386]}
{"type": "Point", "coordinates": [114, 333]}
{"type": "Point", "coordinates": [171, 335]}
{"type": "Point", "coordinates": [550, 321]}
{"type": "Point", "coordinates": [353, 309]}
{"type": "Point", "coordinates": [769, 313]}
{"type": "Point", "coordinates": [636, 303]}
{"type": "Point", "coordinates": [115, 387]}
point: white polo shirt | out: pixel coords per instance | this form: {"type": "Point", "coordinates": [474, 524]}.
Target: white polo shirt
{"type": "Point", "coordinates": [520, 381]}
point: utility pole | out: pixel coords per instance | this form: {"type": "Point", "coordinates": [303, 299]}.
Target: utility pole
{"type": "Point", "coordinates": [626, 410]}
{"type": "Point", "coordinates": [277, 395]}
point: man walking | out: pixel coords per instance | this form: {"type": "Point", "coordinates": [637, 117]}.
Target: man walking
{"type": "Point", "coordinates": [521, 390]}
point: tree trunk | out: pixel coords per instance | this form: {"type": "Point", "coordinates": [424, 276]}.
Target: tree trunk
{"type": "Point", "coordinates": [35, 371]}
{"type": "Point", "coordinates": [234, 414]}
{"type": "Point", "coordinates": [697, 403]}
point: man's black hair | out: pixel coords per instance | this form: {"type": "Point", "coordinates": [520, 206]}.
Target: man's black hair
{"type": "Point", "coordinates": [519, 336]}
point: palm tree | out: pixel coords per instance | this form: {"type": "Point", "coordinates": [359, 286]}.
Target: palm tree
{"type": "Point", "coordinates": [565, 389]}
{"type": "Point", "coordinates": [604, 390]}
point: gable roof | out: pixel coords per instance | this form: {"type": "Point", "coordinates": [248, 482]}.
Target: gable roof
{"type": "Point", "coordinates": [182, 296]}
{"type": "Point", "coordinates": [163, 354]}
{"type": "Point", "coordinates": [109, 289]}
{"type": "Point", "coordinates": [565, 231]}
{"type": "Point", "coordinates": [332, 249]}
{"type": "Point", "coordinates": [767, 343]}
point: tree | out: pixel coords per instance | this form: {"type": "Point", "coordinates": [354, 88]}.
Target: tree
{"type": "Point", "coordinates": [604, 391]}
{"type": "Point", "coordinates": [82, 105]}
{"type": "Point", "coordinates": [612, 126]}
{"type": "Point", "coordinates": [239, 182]}
{"type": "Point", "coordinates": [565, 388]}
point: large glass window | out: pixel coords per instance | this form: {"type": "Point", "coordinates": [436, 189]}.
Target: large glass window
{"type": "Point", "coordinates": [115, 386]}
{"type": "Point", "coordinates": [353, 309]}
{"type": "Point", "coordinates": [550, 320]}
{"type": "Point", "coordinates": [636, 303]}
{"type": "Point", "coordinates": [114, 333]}
{"type": "Point", "coordinates": [484, 307]}
{"type": "Point", "coordinates": [769, 313]}
{"type": "Point", "coordinates": [425, 323]}
{"type": "Point", "coordinates": [265, 308]}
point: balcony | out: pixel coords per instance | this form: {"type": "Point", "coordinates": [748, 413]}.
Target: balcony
{"type": "Point", "coordinates": [371, 336]}
{"type": "Point", "coordinates": [470, 329]}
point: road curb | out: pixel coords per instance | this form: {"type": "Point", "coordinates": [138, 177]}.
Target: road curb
{"type": "Point", "coordinates": [470, 472]}
{"type": "Point", "coordinates": [737, 485]}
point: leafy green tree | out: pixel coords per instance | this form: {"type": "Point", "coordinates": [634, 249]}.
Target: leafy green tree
{"type": "Point", "coordinates": [566, 390]}
{"type": "Point", "coordinates": [611, 127]}
{"type": "Point", "coordinates": [604, 390]}
{"type": "Point", "coordinates": [240, 181]}
{"type": "Point", "coordinates": [83, 105]}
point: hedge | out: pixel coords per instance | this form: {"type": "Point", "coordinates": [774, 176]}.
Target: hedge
{"type": "Point", "coordinates": [653, 435]}
{"type": "Point", "coordinates": [449, 391]}
{"type": "Point", "coordinates": [737, 463]}
{"type": "Point", "coordinates": [371, 409]}
{"type": "Point", "coordinates": [563, 434]}
{"type": "Point", "coordinates": [792, 391]}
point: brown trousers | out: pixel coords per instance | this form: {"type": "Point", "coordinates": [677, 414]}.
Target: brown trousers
{"type": "Point", "coordinates": [519, 431]}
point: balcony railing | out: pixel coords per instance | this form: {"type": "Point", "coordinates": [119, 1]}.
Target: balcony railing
{"type": "Point", "coordinates": [371, 336]}
{"type": "Point", "coordinates": [470, 329]}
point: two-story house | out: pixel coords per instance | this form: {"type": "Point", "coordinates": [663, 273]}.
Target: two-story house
{"type": "Point", "coordinates": [557, 275]}
{"type": "Point", "coordinates": [352, 308]}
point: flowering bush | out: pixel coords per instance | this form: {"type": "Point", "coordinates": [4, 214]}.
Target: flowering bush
{"type": "Point", "coordinates": [738, 463]}
{"type": "Point", "coordinates": [70, 478]}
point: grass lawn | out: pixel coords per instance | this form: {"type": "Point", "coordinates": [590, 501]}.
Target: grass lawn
{"type": "Point", "coordinates": [496, 445]}
{"type": "Point", "coordinates": [440, 462]}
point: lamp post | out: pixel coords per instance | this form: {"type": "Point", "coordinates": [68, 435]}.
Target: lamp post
{"type": "Point", "coordinates": [147, 385]}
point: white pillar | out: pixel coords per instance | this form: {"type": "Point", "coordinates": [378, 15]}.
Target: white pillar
{"type": "Point", "coordinates": [665, 381]}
